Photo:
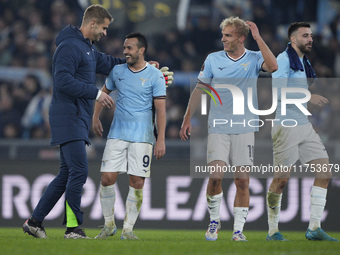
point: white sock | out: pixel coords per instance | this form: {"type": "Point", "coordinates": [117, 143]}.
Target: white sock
{"type": "Point", "coordinates": [317, 205]}
{"type": "Point", "coordinates": [214, 203]}
{"type": "Point", "coordinates": [273, 209]}
{"type": "Point", "coordinates": [240, 216]}
{"type": "Point", "coordinates": [107, 201]}
{"type": "Point", "coordinates": [133, 205]}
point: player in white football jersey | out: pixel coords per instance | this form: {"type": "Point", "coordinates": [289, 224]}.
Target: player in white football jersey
{"type": "Point", "coordinates": [299, 142]}
{"type": "Point", "coordinates": [130, 140]}
{"type": "Point", "coordinates": [230, 144]}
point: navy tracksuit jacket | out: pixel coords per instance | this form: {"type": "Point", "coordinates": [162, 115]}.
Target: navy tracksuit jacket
{"type": "Point", "coordinates": [75, 64]}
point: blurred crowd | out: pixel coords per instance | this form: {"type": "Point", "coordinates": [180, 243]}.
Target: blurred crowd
{"type": "Point", "coordinates": [28, 29]}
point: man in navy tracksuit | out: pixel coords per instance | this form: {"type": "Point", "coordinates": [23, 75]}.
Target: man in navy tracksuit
{"type": "Point", "coordinates": [75, 64]}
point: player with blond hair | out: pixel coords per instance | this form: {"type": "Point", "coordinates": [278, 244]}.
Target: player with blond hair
{"type": "Point", "coordinates": [230, 145]}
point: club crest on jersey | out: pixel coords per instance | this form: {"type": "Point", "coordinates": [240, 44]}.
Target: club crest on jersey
{"type": "Point", "coordinates": [245, 66]}
{"type": "Point", "coordinates": [143, 81]}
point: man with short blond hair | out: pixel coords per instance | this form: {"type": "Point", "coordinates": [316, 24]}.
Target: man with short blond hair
{"type": "Point", "coordinates": [230, 145]}
{"type": "Point", "coordinates": [75, 64]}
{"type": "Point", "coordinates": [96, 12]}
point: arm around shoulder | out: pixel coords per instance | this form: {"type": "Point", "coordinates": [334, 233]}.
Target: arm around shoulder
{"type": "Point", "coordinates": [270, 64]}
{"type": "Point", "coordinates": [105, 63]}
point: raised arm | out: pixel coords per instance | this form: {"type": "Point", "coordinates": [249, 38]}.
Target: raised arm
{"type": "Point", "coordinates": [270, 64]}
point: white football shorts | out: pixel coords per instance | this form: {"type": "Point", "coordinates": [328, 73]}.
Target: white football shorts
{"type": "Point", "coordinates": [293, 143]}
{"type": "Point", "coordinates": [127, 157]}
{"type": "Point", "coordinates": [235, 150]}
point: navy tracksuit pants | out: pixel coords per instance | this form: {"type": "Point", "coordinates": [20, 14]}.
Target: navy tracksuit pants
{"type": "Point", "coordinates": [71, 179]}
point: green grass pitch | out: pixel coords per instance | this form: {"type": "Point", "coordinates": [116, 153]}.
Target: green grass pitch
{"type": "Point", "coordinates": [14, 241]}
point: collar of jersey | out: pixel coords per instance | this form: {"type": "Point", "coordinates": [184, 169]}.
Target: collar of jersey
{"type": "Point", "coordinates": [237, 58]}
{"type": "Point", "coordinates": [146, 65]}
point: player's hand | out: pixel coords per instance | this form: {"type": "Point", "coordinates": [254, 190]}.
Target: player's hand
{"type": "Point", "coordinates": [159, 150]}
{"type": "Point", "coordinates": [97, 126]}
{"type": "Point", "coordinates": [318, 100]}
{"type": "Point", "coordinates": [168, 76]}
{"type": "Point", "coordinates": [154, 63]}
{"type": "Point", "coordinates": [254, 30]}
{"type": "Point", "coordinates": [185, 131]}
{"type": "Point", "coordinates": [105, 100]}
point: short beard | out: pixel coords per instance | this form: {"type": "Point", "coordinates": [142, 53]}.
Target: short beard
{"type": "Point", "coordinates": [304, 49]}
